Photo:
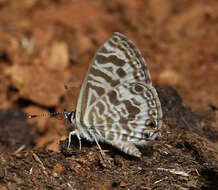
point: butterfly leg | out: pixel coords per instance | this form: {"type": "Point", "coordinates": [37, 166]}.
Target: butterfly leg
{"type": "Point", "coordinates": [99, 147]}
{"type": "Point", "coordinates": [76, 132]}
{"type": "Point", "coordinates": [128, 148]}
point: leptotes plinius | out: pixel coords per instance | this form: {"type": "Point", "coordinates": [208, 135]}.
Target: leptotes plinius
{"type": "Point", "coordinates": [117, 103]}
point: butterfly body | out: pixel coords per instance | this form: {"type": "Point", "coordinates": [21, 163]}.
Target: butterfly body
{"type": "Point", "coordinates": [117, 102]}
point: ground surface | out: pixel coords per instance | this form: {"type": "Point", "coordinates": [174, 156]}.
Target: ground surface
{"type": "Point", "coordinates": [45, 45]}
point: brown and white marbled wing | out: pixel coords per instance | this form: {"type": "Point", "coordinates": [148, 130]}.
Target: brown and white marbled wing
{"type": "Point", "coordinates": [117, 61]}
{"type": "Point", "coordinates": [117, 102]}
{"type": "Point", "coordinates": [125, 114]}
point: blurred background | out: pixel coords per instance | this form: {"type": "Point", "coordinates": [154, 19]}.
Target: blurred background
{"type": "Point", "coordinates": [47, 44]}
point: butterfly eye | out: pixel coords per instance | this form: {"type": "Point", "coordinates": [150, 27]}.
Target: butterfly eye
{"type": "Point", "coordinates": [69, 116]}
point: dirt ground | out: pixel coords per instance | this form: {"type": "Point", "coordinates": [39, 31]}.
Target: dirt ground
{"type": "Point", "coordinates": [45, 45]}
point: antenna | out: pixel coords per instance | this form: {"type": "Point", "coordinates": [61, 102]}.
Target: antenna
{"type": "Point", "coordinates": [66, 114]}
{"type": "Point", "coordinates": [44, 114]}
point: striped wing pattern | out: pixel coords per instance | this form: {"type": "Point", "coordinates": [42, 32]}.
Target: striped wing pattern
{"type": "Point", "coordinates": [117, 102]}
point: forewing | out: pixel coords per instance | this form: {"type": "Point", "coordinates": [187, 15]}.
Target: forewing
{"type": "Point", "coordinates": [117, 61]}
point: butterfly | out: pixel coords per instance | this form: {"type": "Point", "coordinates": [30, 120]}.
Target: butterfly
{"type": "Point", "coordinates": [117, 103]}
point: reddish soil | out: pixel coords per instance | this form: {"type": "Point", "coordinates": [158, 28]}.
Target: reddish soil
{"type": "Point", "coordinates": [45, 45]}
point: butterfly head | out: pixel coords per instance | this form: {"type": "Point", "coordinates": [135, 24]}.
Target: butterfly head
{"type": "Point", "coordinates": [70, 116]}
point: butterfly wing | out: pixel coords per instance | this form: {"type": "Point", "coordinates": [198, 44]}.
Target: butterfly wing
{"type": "Point", "coordinates": [106, 95]}
{"type": "Point", "coordinates": [130, 112]}
{"type": "Point", "coordinates": [116, 61]}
